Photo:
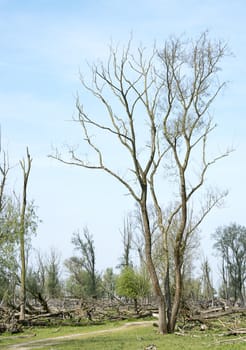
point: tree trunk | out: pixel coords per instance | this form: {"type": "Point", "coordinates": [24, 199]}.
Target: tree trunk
{"type": "Point", "coordinates": [167, 289]}
{"type": "Point", "coordinates": [162, 315]}
{"type": "Point", "coordinates": [26, 172]}
{"type": "Point", "coordinates": [23, 277]}
{"type": "Point", "coordinates": [152, 271]}
{"type": "Point", "coordinates": [177, 298]}
{"type": "Point", "coordinates": [241, 296]}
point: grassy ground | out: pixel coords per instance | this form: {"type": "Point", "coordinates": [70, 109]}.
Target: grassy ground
{"type": "Point", "coordinates": [119, 336]}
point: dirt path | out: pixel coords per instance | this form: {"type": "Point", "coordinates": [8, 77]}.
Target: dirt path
{"type": "Point", "coordinates": [35, 344]}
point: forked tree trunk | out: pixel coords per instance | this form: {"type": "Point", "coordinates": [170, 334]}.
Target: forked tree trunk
{"type": "Point", "coordinates": [163, 329]}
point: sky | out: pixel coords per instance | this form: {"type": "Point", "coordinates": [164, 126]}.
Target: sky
{"type": "Point", "coordinates": [44, 44]}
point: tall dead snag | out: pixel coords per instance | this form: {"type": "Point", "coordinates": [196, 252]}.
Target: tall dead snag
{"type": "Point", "coordinates": [4, 169]}
{"type": "Point", "coordinates": [26, 167]}
{"type": "Point", "coordinates": [127, 240]}
{"type": "Point", "coordinates": [155, 117]}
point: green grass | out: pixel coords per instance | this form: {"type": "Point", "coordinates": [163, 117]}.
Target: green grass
{"type": "Point", "coordinates": [127, 338]}
{"type": "Point", "coordinates": [38, 333]}
{"type": "Point", "coordinates": [138, 339]}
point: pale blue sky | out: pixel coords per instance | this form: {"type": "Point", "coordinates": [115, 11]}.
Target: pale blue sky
{"type": "Point", "coordinates": [43, 45]}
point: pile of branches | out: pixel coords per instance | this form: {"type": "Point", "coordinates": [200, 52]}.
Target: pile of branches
{"type": "Point", "coordinates": [231, 321]}
{"type": "Point", "coordinates": [69, 311]}
{"type": "Point", "coordinates": [8, 321]}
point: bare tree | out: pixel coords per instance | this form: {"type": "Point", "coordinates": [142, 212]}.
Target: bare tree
{"type": "Point", "coordinates": [156, 116]}
{"type": "Point", "coordinates": [85, 246]}
{"type": "Point", "coordinates": [4, 169]}
{"type": "Point", "coordinates": [127, 240]}
{"type": "Point", "coordinates": [26, 167]}
{"type": "Point", "coordinates": [230, 242]}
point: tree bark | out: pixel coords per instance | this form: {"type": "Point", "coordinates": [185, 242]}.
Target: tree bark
{"type": "Point", "coordinates": [177, 295]}
{"type": "Point", "coordinates": [163, 329]}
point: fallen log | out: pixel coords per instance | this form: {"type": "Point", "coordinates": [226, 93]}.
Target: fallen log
{"type": "Point", "coordinates": [210, 314]}
{"type": "Point", "coordinates": [236, 331]}
{"type": "Point", "coordinates": [48, 315]}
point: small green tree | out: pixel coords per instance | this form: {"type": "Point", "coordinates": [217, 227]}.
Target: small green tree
{"type": "Point", "coordinates": [109, 283]}
{"type": "Point", "coordinates": [78, 284]}
{"type": "Point", "coordinates": [53, 283]}
{"type": "Point", "coordinates": [8, 250]}
{"type": "Point", "coordinates": [10, 245]}
{"type": "Point", "coordinates": [132, 285]}
{"type": "Point", "coordinates": [230, 242]}
{"type": "Point", "coordinates": [18, 221]}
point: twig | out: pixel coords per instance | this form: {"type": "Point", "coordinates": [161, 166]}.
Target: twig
{"type": "Point", "coordinates": [230, 341]}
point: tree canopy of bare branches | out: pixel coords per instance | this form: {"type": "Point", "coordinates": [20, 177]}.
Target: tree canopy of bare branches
{"type": "Point", "coordinates": [154, 116]}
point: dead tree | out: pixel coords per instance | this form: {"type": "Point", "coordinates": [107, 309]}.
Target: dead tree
{"type": "Point", "coordinates": [4, 169]}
